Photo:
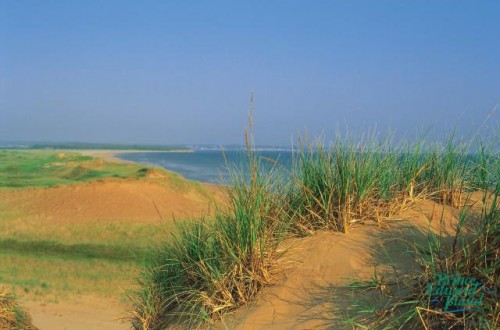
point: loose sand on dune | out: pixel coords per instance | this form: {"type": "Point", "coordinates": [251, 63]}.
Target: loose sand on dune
{"type": "Point", "coordinates": [111, 200]}
{"type": "Point", "coordinates": [79, 313]}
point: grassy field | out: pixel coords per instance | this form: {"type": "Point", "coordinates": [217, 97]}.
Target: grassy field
{"type": "Point", "coordinates": [52, 278]}
{"type": "Point", "coordinates": [48, 168]}
{"type": "Point", "coordinates": [93, 258]}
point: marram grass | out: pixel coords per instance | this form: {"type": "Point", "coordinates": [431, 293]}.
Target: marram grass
{"type": "Point", "coordinates": [334, 187]}
{"type": "Point", "coordinates": [211, 267]}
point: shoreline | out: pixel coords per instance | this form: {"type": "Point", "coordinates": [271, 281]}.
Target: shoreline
{"type": "Point", "coordinates": [112, 154]}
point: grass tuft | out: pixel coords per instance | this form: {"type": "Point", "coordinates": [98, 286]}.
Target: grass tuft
{"type": "Point", "coordinates": [209, 268]}
{"type": "Point", "coordinates": [12, 316]}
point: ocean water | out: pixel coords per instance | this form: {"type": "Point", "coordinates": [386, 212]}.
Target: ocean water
{"type": "Point", "coordinates": [210, 165]}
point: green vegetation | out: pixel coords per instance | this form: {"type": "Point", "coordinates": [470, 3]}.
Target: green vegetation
{"type": "Point", "coordinates": [12, 316]}
{"type": "Point", "coordinates": [211, 268]}
{"type": "Point", "coordinates": [57, 260]}
{"type": "Point", "coordinates": [128, 235]}
{"type": "Point", "coordinates": [72, 251]}
{"type": "Point", "coordinates": [473, 254]}
{"type": "Point", "coordinates": [51, 278]}
{"type": "Point", "coordinates": [47, 168]}
{"type": "Point", "coordinates": [371, 181]}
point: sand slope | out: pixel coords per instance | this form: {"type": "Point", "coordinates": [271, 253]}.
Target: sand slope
{"type": "Point", "coordinates": [115, 200]}
{"type": "Point", "coordinates": [311, 292]}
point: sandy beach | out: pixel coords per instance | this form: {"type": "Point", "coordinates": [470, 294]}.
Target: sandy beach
{"type": "Point", "coordinates": [110, 155]}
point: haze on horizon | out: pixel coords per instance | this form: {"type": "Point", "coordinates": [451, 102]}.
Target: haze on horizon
{"type": "Point", "coordinates": [181, 72]}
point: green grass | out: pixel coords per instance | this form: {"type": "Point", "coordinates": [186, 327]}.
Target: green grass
{"type": "Point", "coordinates": [334, 187]}
{"type": "Point", "coordinates": [340, 185]}
{"type": "Point", "coordinates": [31, 168]}
{"type": "Point", "coordinates": [52, 277]}
{"type": "Point", "coordinates": [74, 258]}
{"type": "Point", "coordinates": [124, 233]}
{"type": "Point", "coordinates": [71, 251]}
{"type": "Point", "coordinates": [56, 262]}
{"type": "Point", "coordinates": [210, 267]}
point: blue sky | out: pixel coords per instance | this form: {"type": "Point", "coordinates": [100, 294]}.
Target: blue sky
{"type": "Point", "coordinates": [181, 72]}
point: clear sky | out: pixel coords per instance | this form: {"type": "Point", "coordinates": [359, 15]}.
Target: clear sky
{"type": "Point", "coordinates": [181, 72]}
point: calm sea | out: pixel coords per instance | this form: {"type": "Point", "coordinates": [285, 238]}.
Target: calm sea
{"type": "Point", "coordinates": [208, 165]}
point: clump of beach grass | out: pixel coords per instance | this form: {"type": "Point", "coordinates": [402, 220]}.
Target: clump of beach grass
{"type": "Point", "coordinates": [334, 186]}
{"type": "Point", "coordinates": [355, 181]}
{"type": "Point", "coordinates": [472, 254]}
{"type": "Point", "coordinates": [12, 316]}
{"type": "Point", "coordinates": [211, 267]}
{"type": "Point", "coordinates": [339, 185]}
